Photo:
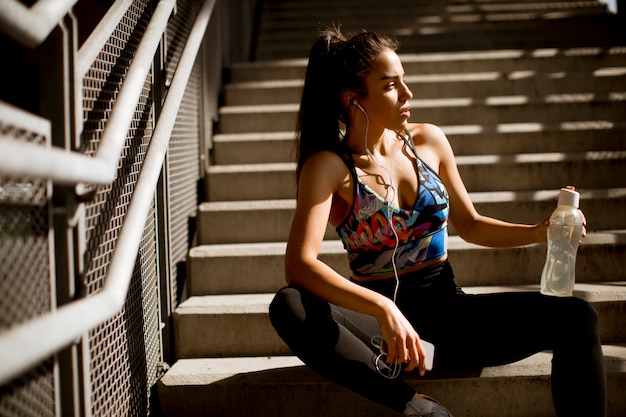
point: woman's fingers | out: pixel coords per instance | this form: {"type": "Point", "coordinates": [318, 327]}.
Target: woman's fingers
{"type": "Point", "coordinates": [401, 344]}
{"type": "Point", "coordinates": [407, 351]}
{"type": "Point", "coordinates": [417, 357]}
{"type": "Point", "coordinates": [422, 363]}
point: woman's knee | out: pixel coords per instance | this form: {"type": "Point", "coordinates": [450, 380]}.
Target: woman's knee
{"type": "Point", "coordinates": [579, 318]}
{"type": "Point", "coordinates": [582, 311]}
{"type": "Point", "coordinates": [284, 304]}
{"type": "Point", "coordinates": [295, 306]}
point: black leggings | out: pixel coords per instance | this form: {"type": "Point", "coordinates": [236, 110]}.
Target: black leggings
{"type": "Point", "coordinates": [468, 331]}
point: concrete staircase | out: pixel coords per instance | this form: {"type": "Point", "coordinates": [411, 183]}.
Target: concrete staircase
{"type": "Point", "coordinates": [528, 104]}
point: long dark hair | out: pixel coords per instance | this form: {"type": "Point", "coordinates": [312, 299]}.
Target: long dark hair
{"type": "Point", "coordinates": [336, 63]}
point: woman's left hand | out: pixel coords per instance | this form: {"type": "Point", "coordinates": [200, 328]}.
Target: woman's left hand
{"type": "Point", "coordinates": [542, 228]}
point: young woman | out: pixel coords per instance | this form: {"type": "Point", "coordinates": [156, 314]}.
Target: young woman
{"type": "Point", "coordinates": [390, 187]}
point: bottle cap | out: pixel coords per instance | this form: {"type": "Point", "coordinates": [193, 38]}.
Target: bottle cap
{"type": "Point", "coordinates": [569, 197]}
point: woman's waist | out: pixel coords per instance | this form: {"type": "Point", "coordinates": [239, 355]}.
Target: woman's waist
{"type": "Point", "coordinates": [430, 280]}
{"type": "Point", "coordinates": [406, 271]}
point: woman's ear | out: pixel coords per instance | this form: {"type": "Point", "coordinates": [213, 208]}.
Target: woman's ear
{"type": "Point", "coordinates": [348, 98]}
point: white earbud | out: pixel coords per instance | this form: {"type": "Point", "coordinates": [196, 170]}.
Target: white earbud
{"type": "Point", "coordinates": [356, 103]}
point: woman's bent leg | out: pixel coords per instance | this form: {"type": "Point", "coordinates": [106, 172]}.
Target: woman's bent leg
{"type": "Point", "coordinates": [578, 377]}
{"type": "Point", "coordinates": [493, 329]}
{"type": "Point", "coordinates": [335, 343]}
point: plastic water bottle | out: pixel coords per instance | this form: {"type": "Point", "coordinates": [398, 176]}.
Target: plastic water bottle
{"type": "Point", "coordinates": [564, 234]}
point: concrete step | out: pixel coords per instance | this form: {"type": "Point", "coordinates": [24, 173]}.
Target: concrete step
{"type": "Point", "coordinates": [289, 25]}
{"type": "Point", "coordinates": [238, 325]}
{"type": "Point", "coordinates": [253, 148]}
{"type": "Point", "coordinates": [502, 60]}
{"type": "Point", "coordinates": [522, 172]}
{"type": "Point", "coordinates": [283, 386]}
{"type": "Point", "coordinates": [270, 220]}
{"type": "Point", "coordinates": [502, 139]}
{"type": "Point", "coordinates": [477, 84]}
{"type": "Point", "coordinates": [248, 268]}
{"type": "Point", "coordinates": [570, 32]}
{"type": "Point", "coordinates": [283, 29]}
{"type": "Point", "coordinates": [456, 111]}
{"type": "Point", "coordinates": [464, 31]}
{"type": "Point", "coordinates": [548, 30]}
{"type": "Point", "coordinates": [280, 15]}
{"type": "Point", "coordinates": [532, 83]}
{"type": "Point", "coordinates": [526, 138]}
{"type": "Point", "coordinates": [292, 38]}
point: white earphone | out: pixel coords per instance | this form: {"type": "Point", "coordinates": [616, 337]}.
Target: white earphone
{"type": "Point", "coordinates": [356, 103]}
{"type": "Point", "coordinates": [389, 216]}
{"type": "Point", "coordinates": [394, 370]}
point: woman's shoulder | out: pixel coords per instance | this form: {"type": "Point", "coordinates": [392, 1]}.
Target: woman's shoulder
{"type": "Point", "coordinates": [325, 173]}
{"type": "Point", "coordinates": [426, 132]}
{"type": "Point", "coordinates": [326, 166]}
{"type": "Point", "coordinates": [325, 159]}
{"type": "Point", "coordinates": [430, 136]}
{"type": "Point", "coordinates": [431, 142]}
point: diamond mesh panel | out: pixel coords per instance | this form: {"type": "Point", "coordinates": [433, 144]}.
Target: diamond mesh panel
{"type": "Point", "coordinates": [184, 149]}
{"type": "Point", "coordinates": [31, 395]}
{"type": "Point", "coordinates": [25, 277]}
{"type": "Point", "coordinates": [124, 350]}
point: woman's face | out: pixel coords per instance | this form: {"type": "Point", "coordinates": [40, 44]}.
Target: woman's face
{"type": "Point", "coordinates": [386, 98]}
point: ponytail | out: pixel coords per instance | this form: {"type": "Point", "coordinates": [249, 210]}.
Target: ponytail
{"type": "Point", "coordinates": [336, 64]}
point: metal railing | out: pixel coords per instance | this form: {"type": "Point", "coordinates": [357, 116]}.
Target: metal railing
{"type": "Point", "coordinates": [32, 25]}
{"type": "Point", "coordinates": [63, 167]}
{"type": "Point", "coordinates": [27, 344]}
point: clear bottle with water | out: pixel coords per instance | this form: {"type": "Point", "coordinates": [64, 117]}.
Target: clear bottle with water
{"type": "Point", "coordinates": [564, 235]}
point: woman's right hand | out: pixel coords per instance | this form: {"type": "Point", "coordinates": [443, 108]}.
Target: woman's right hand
{"type": "Point", "coordinates": [402, 343]}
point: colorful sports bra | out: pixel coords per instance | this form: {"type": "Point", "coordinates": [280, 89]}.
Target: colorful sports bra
{"type": "Point", "coordinates": [422, 230]}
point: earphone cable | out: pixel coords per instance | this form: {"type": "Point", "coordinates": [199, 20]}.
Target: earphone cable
{"type": "Point", "coordinates": [393, 370]}
{"type": "Point", "coordinates": [389, 210]}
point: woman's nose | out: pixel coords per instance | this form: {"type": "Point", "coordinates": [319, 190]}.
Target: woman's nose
{"type": "Point", "coordinates": [407, 94]}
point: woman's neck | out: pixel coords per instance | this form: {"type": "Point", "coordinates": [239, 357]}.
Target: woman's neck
{"type": "Point", "coordinates": [375, 143]}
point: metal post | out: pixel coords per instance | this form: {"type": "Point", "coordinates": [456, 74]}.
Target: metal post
{"type": "Point", "coordinates": [58, 104]}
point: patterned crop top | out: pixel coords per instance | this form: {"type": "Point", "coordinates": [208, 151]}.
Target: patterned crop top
{"type": "Point", "coordinates": [422, 230]}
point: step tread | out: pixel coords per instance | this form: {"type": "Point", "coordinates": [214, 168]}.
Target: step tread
{"type": "Point", "coordinates": [486, 159]}
{"type": "Point", "coordinates": [451, 102]}
{"type": "Point", "coordinates": [247, 205]}
{"type": "Point", "coordinates": [451, 130]}
{"type": "Point", "coordinates": [494, 55]}
{"type": "Point", "coordinates": [335, 246]}
{"type": "Point", "coordinates": [453, 77]}
{"type": "Point", "coordinates": [440, 85]}
{"type": "Point", "coordinates": [247, 136]}
{"type": "Point", "coordinates": [205, 371]}
{"type": "Point", "coordinates": [259, 303]}
{"type": "Point", "coordinates": [476, 197]}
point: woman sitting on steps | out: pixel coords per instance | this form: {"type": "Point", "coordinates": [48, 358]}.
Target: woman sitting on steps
{"type": "Point", "coordinates": [390, 187]}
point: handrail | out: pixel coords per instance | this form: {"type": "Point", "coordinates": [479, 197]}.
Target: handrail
{"type": "Point", "coordinates": [64, 167]}
{"type": "Point", "coordinates": [37, 125]}
{"type": "Point", "coordinates": [30, 343]}
{"type": "Point", "coordinates": [31, 26]}
{"type": "Point", "coordinates": [99, 36]}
